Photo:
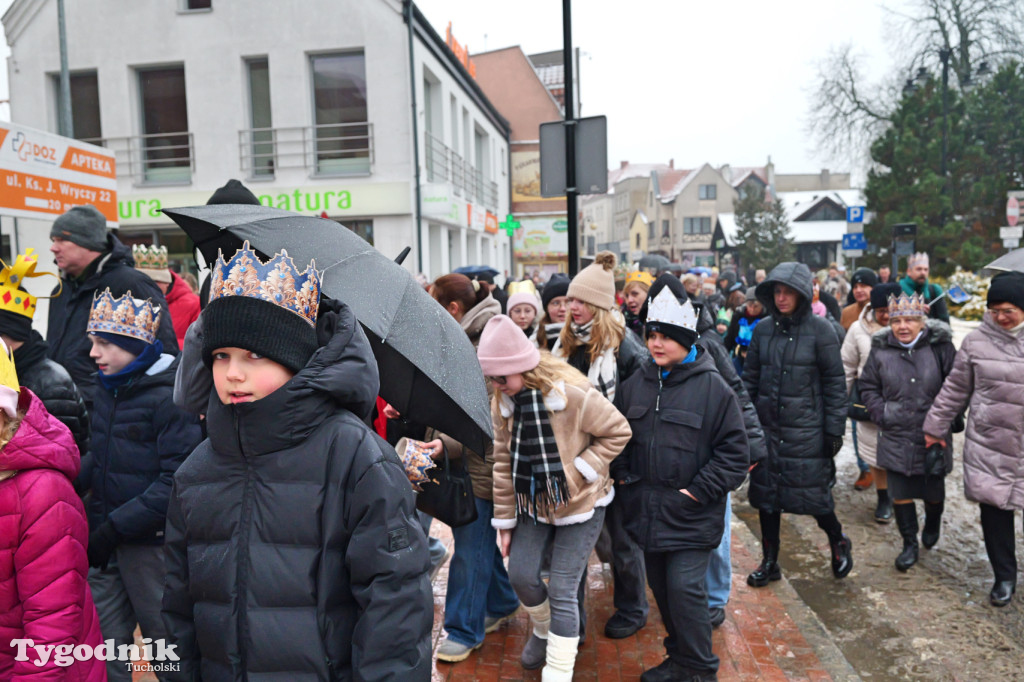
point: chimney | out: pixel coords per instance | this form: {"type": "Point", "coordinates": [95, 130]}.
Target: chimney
{"type": "Point", "coordinates": [825, 179]}
{"type": "Point", "coordinates": [770, 172]}
{"type": "Point", "coordinates": [623, 164]}
{"type": "Point", "coordinates": [672, 163]}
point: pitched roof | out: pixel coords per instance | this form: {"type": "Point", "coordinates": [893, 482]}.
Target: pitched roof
{"type": "Point", "coordinates": [798, 204]}
{"type": "Point", "coordinates": [633, 170]}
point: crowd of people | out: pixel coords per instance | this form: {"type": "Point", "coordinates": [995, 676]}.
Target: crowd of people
{"type": "Point", "coordinates": [222, 474]}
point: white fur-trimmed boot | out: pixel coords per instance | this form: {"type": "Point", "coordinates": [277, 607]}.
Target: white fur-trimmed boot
{"type": "Point", "coordinates": [561, 658]}
{"type": "Point", "coordinates": [535, 652]}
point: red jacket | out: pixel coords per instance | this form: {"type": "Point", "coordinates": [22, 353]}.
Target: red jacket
{"type": "Point", "coordinates": [44, 595]}
{"type": "Point", "coordinates": [183, 306]}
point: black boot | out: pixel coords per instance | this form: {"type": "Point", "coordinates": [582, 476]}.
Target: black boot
{"type": "Point", "coordinates": [842, 556]}
{"type": "Point", "coordinates": [932, 523]}
{"type": "Point", "coordinates": [883, 512]}
{"type": "Point", "coordinates": [769, 569]}
{"type": "Point", "coordinates": [906, 520]}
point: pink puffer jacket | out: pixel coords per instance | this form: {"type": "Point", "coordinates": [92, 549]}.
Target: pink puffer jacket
{"type": "Point", "coordinates": [44, 595]}
{"type": "Point", "coordinates": [989, 375]}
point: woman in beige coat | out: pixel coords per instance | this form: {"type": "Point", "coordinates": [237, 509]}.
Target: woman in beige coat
{"type": "Point", "coordinates": [855, 351]}
{"type": "Point", "coordinates": [988, 376]}
{"type": "Point", "coordinates": [555, 437]}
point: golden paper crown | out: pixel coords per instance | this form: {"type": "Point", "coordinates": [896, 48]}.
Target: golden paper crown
{"type": "Point", "coordinates": [152, 260]}
{"type": "Point", "coordinates": [907, 306]}
{"type": "Point", "coordinates": [645, 278]}
{"type": "Point", "coordinates": [12, 298]}
{"type": "Point", "coordinates": [526, 286]}
{"type": "Point", "coordinates": [277, 281]}
{"type": "Point", "coordinates": [126, 316]}
{"type": "Point", "coordinates": [8, 374]}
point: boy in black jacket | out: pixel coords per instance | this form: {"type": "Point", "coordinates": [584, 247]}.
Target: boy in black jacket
{"type": "Point", "coordinates": [293, 550]}
{"type": "Point", "coordinates": [139, 438]}
{"type": "Point", "coordinates": [689, 449]}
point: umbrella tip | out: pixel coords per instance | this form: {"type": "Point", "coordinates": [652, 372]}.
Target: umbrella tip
{"type": "Point", "coordinates": [402, 256]}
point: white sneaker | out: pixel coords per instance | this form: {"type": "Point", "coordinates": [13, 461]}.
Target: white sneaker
{"type": "Point", "coordinates": [451, 651]}
{"type": "Point", "coordinates": [492, 623]}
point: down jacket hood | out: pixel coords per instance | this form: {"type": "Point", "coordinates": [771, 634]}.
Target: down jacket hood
{"type": "Point", "coordinates": [795, 275]}
{"type": "Point", "coordinates": [341, 374]}
{"type": "Point", "coordinates": [41, 442]}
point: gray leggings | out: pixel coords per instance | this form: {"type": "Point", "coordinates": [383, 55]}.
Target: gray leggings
{"type": "Point", "coordinates": [570, 548]}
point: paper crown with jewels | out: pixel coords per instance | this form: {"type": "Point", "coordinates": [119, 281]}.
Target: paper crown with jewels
{"type": "Point", "coordinates": [152, 260]}
{"type": "Point", "coordinates": [919, 258]}
{"type": "Point", "coordinates": [126, 316]}
{"type": "Point", "coordinates": [277, 281]}
{"type": "Point", "coordinates": [907, 306]}
{"type": "Point", "coordinates": [12, 277]}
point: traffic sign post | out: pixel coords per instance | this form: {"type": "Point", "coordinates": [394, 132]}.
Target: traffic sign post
{"type": "Point", "coordinates": [855, 241]}
{"type": "Point", "coordinates": [1012, 210]}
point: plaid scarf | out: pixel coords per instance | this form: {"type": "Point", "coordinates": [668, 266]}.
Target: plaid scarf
{"type": "Point", "coordinates": [537, 472]}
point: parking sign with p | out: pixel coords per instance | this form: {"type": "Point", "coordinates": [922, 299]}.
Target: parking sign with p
{"type": "Point", "coordinates": [855, 214]}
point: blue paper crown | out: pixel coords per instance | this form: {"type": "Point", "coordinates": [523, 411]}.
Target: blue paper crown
{"type": "Point", "coordinates": [126, 316]}
{"type": "Point", "coordinates": [278, 281]}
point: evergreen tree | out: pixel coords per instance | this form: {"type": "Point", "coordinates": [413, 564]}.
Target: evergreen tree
{"type": "Point", "coordinates": [763, 234]}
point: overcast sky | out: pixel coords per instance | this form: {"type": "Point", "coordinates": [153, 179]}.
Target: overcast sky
{"type": "Point", "coordinates": [716, 82]}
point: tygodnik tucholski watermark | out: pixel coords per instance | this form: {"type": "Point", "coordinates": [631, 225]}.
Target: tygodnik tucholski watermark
{"type": "Point", "coordinates": [136, 659]}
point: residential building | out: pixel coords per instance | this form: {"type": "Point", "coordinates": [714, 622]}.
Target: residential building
{"type": "Point", "coordinates": [317, 106]}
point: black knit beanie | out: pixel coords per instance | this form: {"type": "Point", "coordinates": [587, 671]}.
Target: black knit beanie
{"type": "Point", "coordinates": [558, 285]}
{"type": "Point", "coordinates": [864, 276]}
{"type": "Point", "coordinates": [260, 327]}
{"type": "Point", "coordinates": [1007, 287]}
{"type": "Point", "coordinates": [16, 326]}
{"type": "Point", "coordinates": [880, 294]}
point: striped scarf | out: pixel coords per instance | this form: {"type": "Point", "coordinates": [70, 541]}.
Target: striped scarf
{"type": "Point", "coordinates": [537, 472]}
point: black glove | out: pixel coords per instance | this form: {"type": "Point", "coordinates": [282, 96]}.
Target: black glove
{"type": "Point", "coordinates": [102, 543]}
{"type": "Point", "coordinates": [833, 444]}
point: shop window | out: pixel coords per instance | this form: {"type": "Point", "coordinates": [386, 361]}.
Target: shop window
{"type": "Point", "coordinates": [262, 152]}
{"type": "Point", "coordinates": [363, 228]}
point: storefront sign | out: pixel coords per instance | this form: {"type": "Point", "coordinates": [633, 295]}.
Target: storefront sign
{"type": "Point", "coordinates": [386, 198]}
{"type": "Point", "coordinates": [526, 177]}
{"type": "Point", "coordinates": [461, 52]}
{"type": "Point", "coordinates": [538, 239]}
{"type": "Point", "coordinates": [477, 216]}
{"type": "Point", "coordinates": [44, 174]}
{"type": "Point", "coordinates": [491, 223]}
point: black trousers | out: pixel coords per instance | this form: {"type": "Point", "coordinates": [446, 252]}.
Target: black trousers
{"type": "Point", "coordinates": [771, 524]}
{"type": "Point", "coordinates": [997, 527]}
{"type": "Point", "coordinates": [677, 581]}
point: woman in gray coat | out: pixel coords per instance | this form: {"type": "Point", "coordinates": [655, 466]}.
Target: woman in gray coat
{"type": "Point", "coordinates": [903, 374]}
{"type": "Point", "coordinates": [989, 377]}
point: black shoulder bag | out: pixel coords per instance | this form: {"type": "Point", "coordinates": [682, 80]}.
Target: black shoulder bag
{"type": "Point", "coordinates": [448, 495]}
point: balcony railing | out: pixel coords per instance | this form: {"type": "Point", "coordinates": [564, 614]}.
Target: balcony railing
{"type": "Point", "coordinates": [444, 165]}
{"type": "Point", "coordinates": [165, 158]}
{"type": "Point", "coordinates": [328, 150]}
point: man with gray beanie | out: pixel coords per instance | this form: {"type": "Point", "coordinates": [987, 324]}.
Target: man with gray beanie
{"type": "Point", "coordinates": [91, 260]}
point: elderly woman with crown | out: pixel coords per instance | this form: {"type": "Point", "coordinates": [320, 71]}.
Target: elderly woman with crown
{"type": "Point", "coordinates": [904, 372]}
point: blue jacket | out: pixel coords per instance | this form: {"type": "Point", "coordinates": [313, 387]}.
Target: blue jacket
{"type": "Point", "coordinates": [139, 439]}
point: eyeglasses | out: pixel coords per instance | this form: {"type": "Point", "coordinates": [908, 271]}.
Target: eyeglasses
{"type": "Point", "coordinates": [999, 312]}
{"type": "Point", "coordinates": [501, 381]}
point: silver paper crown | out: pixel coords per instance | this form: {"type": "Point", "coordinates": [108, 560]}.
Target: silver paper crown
{"type": "Point", "coordinates": [277, 281]}
{"type": "Point", "coordinates": [907, 306]}
{"type": "Point", "coordinates": [126, 316]}
{"type": "Point", "coordinates": [666, 309]}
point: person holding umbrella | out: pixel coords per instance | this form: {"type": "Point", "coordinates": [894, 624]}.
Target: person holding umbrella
{"type": "Point", "coordinates": [555, 436]}
{"type": "Point", "coordinates": [988, 376]}
{"type": "Point", "coordinates": [480, 597]}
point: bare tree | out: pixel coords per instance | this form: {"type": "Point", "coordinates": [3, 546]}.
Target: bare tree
{"type": "Point", "coordinates": [847, 112]}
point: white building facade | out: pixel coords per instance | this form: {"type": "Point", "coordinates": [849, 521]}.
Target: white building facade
{"type": "Point", "coordinates": [315, 105]}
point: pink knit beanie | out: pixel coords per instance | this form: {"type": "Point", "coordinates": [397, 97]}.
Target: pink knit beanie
{"type": "Point", "coordinates": [522, 297]}
{"type": "Point", "coordinates": [504, 349]}
{"type": "Point", "coordinates": [595, 284]}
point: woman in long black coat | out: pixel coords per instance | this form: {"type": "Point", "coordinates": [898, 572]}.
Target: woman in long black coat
{"type": "Point", "coordinates": [903, 374]}
{"type": "Point", "coordinates": [794, 374]}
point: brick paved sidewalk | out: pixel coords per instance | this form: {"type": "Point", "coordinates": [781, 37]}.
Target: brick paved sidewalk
{"type": "Point", "coordinates": [768, 634]}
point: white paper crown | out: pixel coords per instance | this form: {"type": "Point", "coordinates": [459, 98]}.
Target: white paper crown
{"type": "Point", "coordinates": [919, 258]}
{"type": "Point", "coordinates": [666, 309]}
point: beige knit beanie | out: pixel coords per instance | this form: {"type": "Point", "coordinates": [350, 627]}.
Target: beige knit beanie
{"type": "Point", "coordinates": [595, 284]}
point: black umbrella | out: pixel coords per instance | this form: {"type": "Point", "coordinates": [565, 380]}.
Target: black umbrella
{"type": "Point", "coordinates": [428, 367]}
{"type": "Point", "coordinates": [1013, 260]}
{"type": "Point", "coordinates": [655, 262]}
{"type": "Point", "coordinates": [473, 271]}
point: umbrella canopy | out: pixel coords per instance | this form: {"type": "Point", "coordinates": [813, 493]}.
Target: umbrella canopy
{"type": "Point", "coordinates": [428, 367]}
{"type": "Point", "coordinates": [472, 271]}
{"type": "Point", "coordinates": [655, 262]}
{"type": "Point", "coordinates": [699, 270]}
{"type": "Point", "coordinates": [1014, 260]}
{"type": "Point", "coordinates": [676, 267]}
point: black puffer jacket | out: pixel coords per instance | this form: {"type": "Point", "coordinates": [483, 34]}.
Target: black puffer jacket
{"type": "Point", "coordinates": [687, 433]}
{"type": "Point", "coordinates": [69, 313]}
{"type": "Point", "coordinates": [293, 551]}
{"type": "Point", "coordinates": [53, 385]}
{"type": "Point", "coordinates": [794, 373]}
{"type": "Point", "coordinates": [898, 386]}
{"type": "Point", "coordinates": [139, 439]}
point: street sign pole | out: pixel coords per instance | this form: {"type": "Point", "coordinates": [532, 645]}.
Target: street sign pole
{"type": "Point", "coordinates": [570, 140]}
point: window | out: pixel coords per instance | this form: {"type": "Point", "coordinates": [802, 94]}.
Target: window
{"type": "Point", "coordinates": [700, 225]}
{"type": "Point", "coordinates": [166, 147]}
{"type": "Point", "coordinates": [665, 228]}
{"type": "Point", "coordinates": [262, 140]}
{"type": "Point", "coordinates": [85, 105]}
{"type": "Point", "coordinates": [362, 228]}
{"type": "Point", "coordinates": [339, 101]}
{"type": "Point", "coordinates": [651, 227]}
{"type": "Point", "coordinates": [708, 192]}
{"type": "Point", "coordinates": [198, 4]}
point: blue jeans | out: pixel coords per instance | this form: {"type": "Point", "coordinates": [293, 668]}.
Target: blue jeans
{"type": "Point", "coordinates": [719, 576]}
{"type": "Point", "coordinates": [478, 584]}
{"type": "Point", "coordinates": [862, 466]}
